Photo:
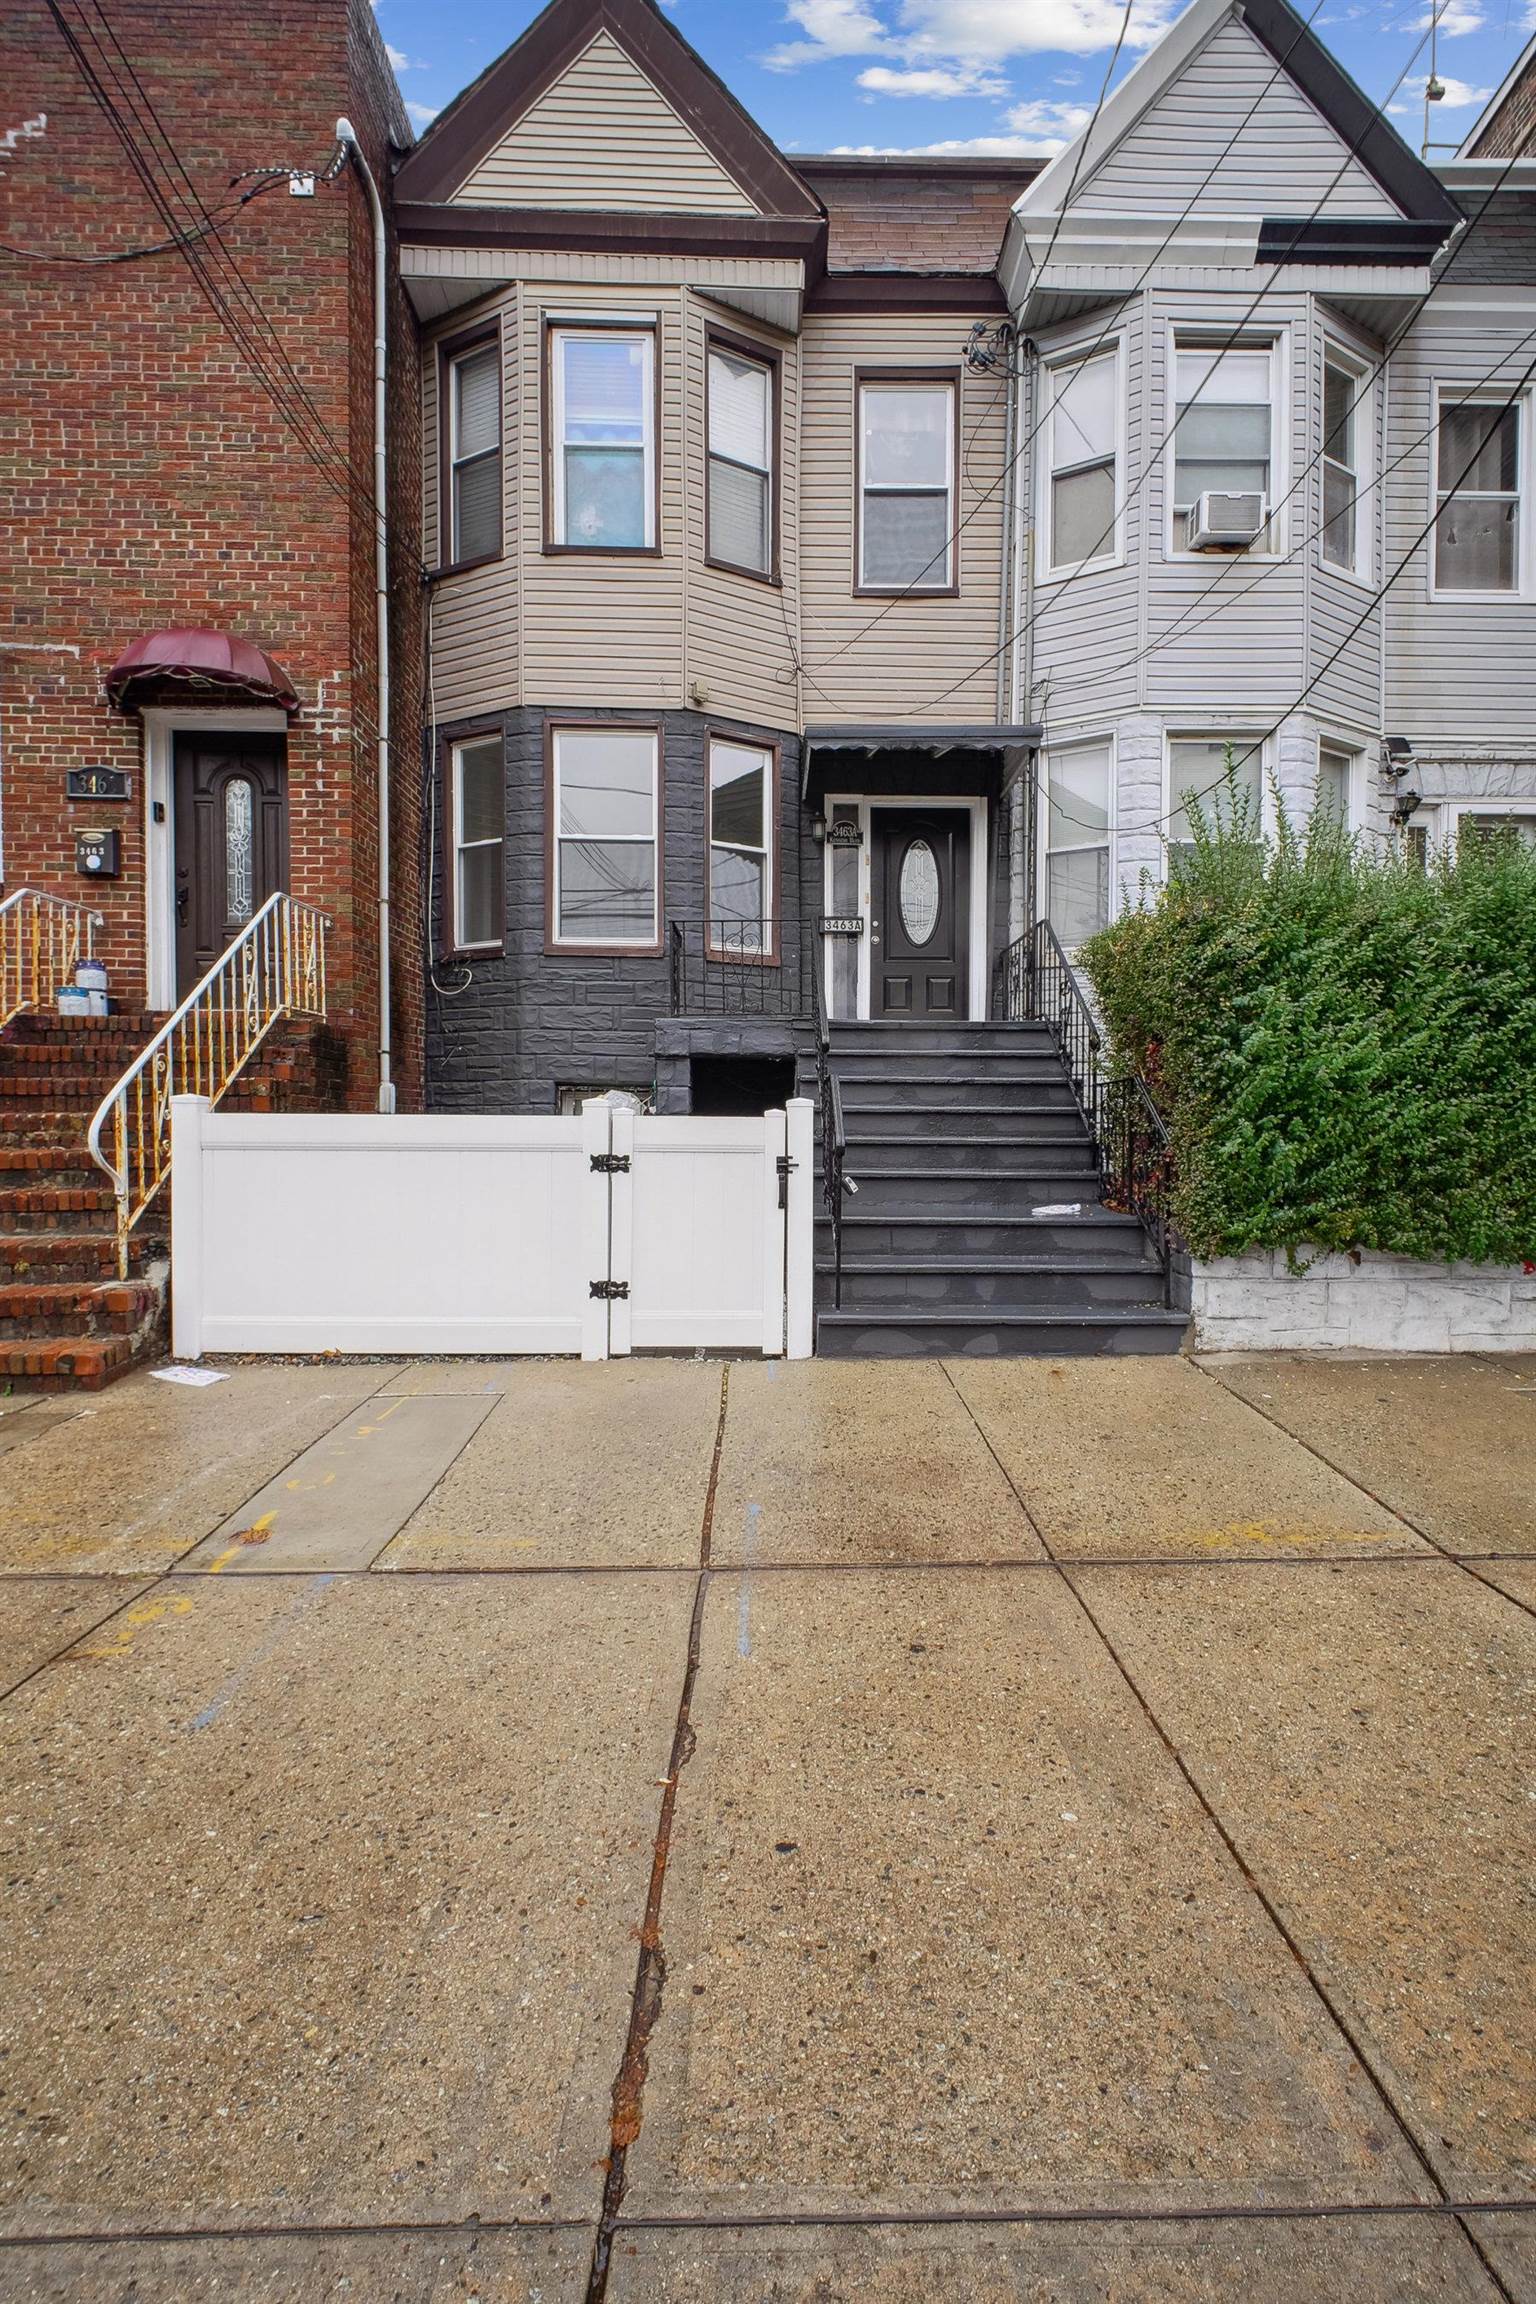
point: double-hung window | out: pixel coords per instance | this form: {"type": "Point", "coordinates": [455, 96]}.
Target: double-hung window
{"type": "Point", "coordinates": [741, 510]}
{"type": "Point", "coordinates": [1077, 786]}
{"type": "Point", "coordinates": [479, 838]}
{"type": "Point", "coordinates": [1081, 444]}
{"type": "Point", "coordinates": [1336, 782]}
{"type": "Point", "coordinates": [741, 800]}
{"type": "Point", "coordinates": [906, 484]}
{"type": "Point", "coordinates": [605, 808]}
{"type": "Point", "coordinates": [1479, 485]}
{"type": "Point", "coordinates": [473, 383]}
{"type": "Point", "coordinates": [602, 388]}
{"type": "Point", "coordinates": [1225, 427]}
{"type": "Point", "coordinates": [1218, 778]}
{"type": "Point", "coordinates": [1346, 435]}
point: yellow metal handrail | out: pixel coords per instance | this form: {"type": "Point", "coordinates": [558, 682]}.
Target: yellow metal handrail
{"type": "Point", "coordinates": [43, 940]}
{"type": "Point", "coordinates": [275, 967]}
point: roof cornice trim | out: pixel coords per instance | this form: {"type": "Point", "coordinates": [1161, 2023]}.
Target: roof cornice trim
{"type": "Point", "coordinates": [437, 224]}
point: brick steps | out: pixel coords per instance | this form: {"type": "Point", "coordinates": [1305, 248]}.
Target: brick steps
{"type": "Point", "coordinates": [65, 1255]}
{"type": "Point", "coordinates": [49, 1309]}
{"type": "Point", "coordinates": [67, 1363]}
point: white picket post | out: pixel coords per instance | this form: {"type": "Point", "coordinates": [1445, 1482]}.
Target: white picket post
{"type": "Point", "coordinates": [187, 1245]}
{"type": "Point", "coordinates": [596, 1128]}
{"type": "Point", "coordinates": [621, 1228]}
{"type": "Point", "coordinates": [775, 1141]}
{"type": "Point", "coordinates": [800, 1232]}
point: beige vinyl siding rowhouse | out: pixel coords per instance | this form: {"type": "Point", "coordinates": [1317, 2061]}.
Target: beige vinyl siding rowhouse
{"type": "Point", "coordinates": [647, 157]}
{"type": "Point", "coordinates": [475, 621]}
{"type": "Point", "coordinates": [1287, 162]}
{"type": "Point", "coordinates": [911, 658]}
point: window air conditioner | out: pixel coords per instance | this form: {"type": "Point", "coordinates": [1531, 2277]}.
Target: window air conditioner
{"type": "Point", "coordinates": [1224, 520]}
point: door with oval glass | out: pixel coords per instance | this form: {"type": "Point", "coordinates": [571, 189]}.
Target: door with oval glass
{"type": "Point", "coordinates": [919, 930]}
{"type": "Point", "coordinates": [231, 840]}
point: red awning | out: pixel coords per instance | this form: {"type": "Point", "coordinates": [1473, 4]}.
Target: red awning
{"type": "Point", "coordinates": [202, 660]}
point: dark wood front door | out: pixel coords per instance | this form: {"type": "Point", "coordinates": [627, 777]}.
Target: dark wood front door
{"type": "Point", "coordinates": [231, 841]}
{"type": "Point", "coordinates": [919, 932]}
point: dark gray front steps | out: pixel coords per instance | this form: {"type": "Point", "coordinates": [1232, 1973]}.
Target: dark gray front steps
{"type": "Point", "coordinates": [1050, 1333]}
{"type": "Point", "coordinates": [977, 1155]}
{"type": "Point", "coordinates": [979, 1068]}
{"type": "Point", "coordinates": [947, 1283]}
{"type": "Point", "coordinates": [1023, 1189]}
{"type": "Point", "coordinates": [961, 1237]}
{"type": "Point", "coordinates": [1026, 1122]}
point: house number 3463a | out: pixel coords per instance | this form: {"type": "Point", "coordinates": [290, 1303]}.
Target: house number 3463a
{"type": "Point", "coordinates": [841, 924]}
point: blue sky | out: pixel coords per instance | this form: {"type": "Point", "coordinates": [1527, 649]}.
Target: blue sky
{"type": "Point", "coordinates": [966, 75]}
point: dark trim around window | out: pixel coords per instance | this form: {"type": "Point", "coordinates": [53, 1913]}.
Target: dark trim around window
{"type": "Point", "coordinates": [746, 743]}
{"type": "Point", "coordinates": [913, 592]}
{"type": "Point", "coordinates": [557, 723]}
{"type": "Point", "coordinates": [446, 894]}
{"type": "Point", "coordinates": [769, 357]}
{"type": "Point", "coordinates": [596, 324]}
{"type": "Point", "coordinates": [449, 349]}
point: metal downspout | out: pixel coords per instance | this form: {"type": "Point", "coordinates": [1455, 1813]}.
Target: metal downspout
{"type": "Point", "coordinates": [347, 135]}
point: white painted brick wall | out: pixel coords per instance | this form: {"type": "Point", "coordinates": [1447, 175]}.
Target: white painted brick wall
{"type": "Point", "coordinates": [1382, 1304]}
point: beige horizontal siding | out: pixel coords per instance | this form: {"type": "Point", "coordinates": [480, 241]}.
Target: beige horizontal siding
{"type": "Point", "coordinates": [1283, 164]}
{"type": "Point", "coordinates": [604, 137]}
{"type": "Point", "coordinates": [916, 658]}
{"type": "Point", "coordinates": [474, 617]}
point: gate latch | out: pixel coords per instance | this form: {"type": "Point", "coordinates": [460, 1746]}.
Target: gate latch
{"type": "Point", "coordinates": [609, 1291]}
{"type": "Point", "coordinates": [609, 1163]}
{"type": "Point", "coordinates": [786, 1168]}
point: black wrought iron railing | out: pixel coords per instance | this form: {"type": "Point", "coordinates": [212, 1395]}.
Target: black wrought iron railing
{"type": "Point", "coordinates": [1035, 982]}
{"type": "Point", "coordinates": [835, 1182]}
{"type": "Point", "coordinates": [735, 968]}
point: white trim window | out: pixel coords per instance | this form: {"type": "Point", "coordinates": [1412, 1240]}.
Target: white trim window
{"type": "Point", "coordinates": [603, 405]}
{"type": "Point", "coordinates": [740, 511]}
{"type": "Point", "coordinates": [741, 794]}
{"type": "Point", "coordinates": [906, 485]}
{"type": "Point", "coordinates": [1494, 820]}
{"type": "Point", "coordinates": [474, 452]}
{"type": "Point", "coordinates": [1337, 782]}
{"type": "Point", "coordinates": [1082, 451]}
{"type": "Point", "coordinates": [1345, 535]}
{"type": "Point", "coordinates": [606, 803]}
{"type": "Point", "coordinates": [1198, 772]}
{"type": "Point", "coordinates": [1225, 436]}
{"type": "Point", "coordinates": [479, 845]}
{"type": "Point", "coordinates": [1480, 484]}
{"type": "Point", "coordinates": [1079, 787]}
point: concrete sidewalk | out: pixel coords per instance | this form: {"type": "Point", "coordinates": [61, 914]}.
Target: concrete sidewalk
{"type": "Point", "coordinates": [981, 1832]}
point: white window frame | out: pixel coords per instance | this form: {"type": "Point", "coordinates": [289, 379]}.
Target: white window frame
{"type": "Point", "coordinates": [557, 839]}
{"type": "Point", "coordinates": [558, 334]}
{"type": "Point", "coordinates": [1052, 371]}
{"type": "Point", "coordinates": [1080, 741]}
{"type": "Point", "coordinates": [1196, 335]}
{"type": "Point", "coordinates": [1354, 753]}
{"type": "Point", "coordinates": [1452, 812]}
{"type": "Point", "coordinates": [1193, 732]}
{"type": "Point", "coordinates": [452, 364]}
{"type": "Point", "coordinates": [456, 751]}
{"type": "Point", "coordinates": [1338, 354]}
{"type": "Point", "coordinates": [717, 345]}
{"type": "Point", "coordinates": [1445, 395]}
{"type": "Point", "coordinates": [768, 953]}
{"type": "Point", "coordinates": [945, 581]}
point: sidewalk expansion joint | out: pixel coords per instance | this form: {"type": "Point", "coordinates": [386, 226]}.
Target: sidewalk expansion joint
{"type": "Point", "coordinates": [651, 1966]}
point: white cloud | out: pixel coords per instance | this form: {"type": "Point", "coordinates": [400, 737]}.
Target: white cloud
{"type": "Point", "coordinates": [422, 115]}
{"type": "Point", "coordinates": [954, 147]}
{"type": "Point", "coordinates": [1459, 95]}
{"type": "Point", "coordinates": [932, 80]}
{"type": "Point", "coordinates": [1050, 124]}
{"type": "Point", "coordinates": [976, 33]}
{"type": "Point", "coordinates": [831, 28]}
{"type": "Point", "coordinates": [399, 58]}
{"type": "Point", "coordinates": [1456, 17]}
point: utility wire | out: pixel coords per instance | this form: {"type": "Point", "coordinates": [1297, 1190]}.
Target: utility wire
{"type": "Point", "coordinates": [270, 177]}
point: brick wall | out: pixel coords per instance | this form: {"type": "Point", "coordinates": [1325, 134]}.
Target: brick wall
{"type": "Point", "coordinates": [147, 480]}
{"type": "Point", "coordinates": [1513, 126]}
{"type": "Point", "coordinates": [888, 218]}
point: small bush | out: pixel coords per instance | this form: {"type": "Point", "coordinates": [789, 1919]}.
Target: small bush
{"type": "Point", "coordinates": [1343, 1043]}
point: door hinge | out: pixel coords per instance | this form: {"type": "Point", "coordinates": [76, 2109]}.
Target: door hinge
{"type": "Point", "coordinates": [609, 1163]}
{"type": "Point", "coordinates": [786, 1168]}
{"type": "Point", "coordinates": [609, 1291]}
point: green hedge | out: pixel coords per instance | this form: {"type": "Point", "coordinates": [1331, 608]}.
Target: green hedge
{"type": "Point", "coordinates": [1343, 1043]}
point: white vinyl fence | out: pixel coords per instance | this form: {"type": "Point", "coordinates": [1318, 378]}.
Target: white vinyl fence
{"type": "Point", "coordinates": [605, 1234]}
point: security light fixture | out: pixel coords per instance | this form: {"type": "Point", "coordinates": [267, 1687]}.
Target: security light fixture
{"type": "Point", "coordinates": [1399, 758]}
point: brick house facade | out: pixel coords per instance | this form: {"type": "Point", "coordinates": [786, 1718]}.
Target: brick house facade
{"type": "Point", "coordinates": [151, 482]}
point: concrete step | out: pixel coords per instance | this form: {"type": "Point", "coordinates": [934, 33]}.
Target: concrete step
{"type": "Point", "coordinates": [1115, 1330]}
{"type": "Point", "coordinates": [943, 1284]}
{"type": "Point", "coordinates": [979, 1069]}
{"type": "Point", "coordinates": [945, 1123]}
{"type": "Point", "coordinates": [1055, 1179]}
{"type": "Point", "coordinates": [959, 1039]}
{"type": "Point", "coordinates": [1023, 1154]}
{"type": "Point", "coordinates": [969, 1236]}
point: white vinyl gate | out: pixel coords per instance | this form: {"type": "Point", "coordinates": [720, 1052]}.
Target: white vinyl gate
{"type": "Point", "coordinates": [608, 1233]}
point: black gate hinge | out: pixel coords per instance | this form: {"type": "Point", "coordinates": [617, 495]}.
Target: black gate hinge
{"type": "Point", "coordinates": [609, 1291]}
{"type": "Point", "coordinates": [786, 1168]}
{"type": "Point", "coordinates": [609, 1163]}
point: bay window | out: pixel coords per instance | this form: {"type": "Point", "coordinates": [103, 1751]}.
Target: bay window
{"type": "Point", "coordinates": [472, 378]}
{"type": "Point", "coordinates": [1224, 434]}
{"type": "Point", "coordinates": [605, 807]}
{"type": "Point", "coordinates": [1478, 490]}
{"type": "Point", "coordinates": [906, 484]}
{"type": "Point", "coordinates": [602, 386]}
{"type": "Point", "coordinates": [479, 842]}
{"type": "Point", "coordinates": [1346, 431]}
{"type": "Point", "coordinates": [1082, 437]}
{"type": "Point", "coordinates": [1219, 777]}
{"type": "Point", "coordinates": [741, 808]}
{"type": "Point", "coordinates": [1077, 840]}
{"type": "Point", "coordinates": [740, 510]}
